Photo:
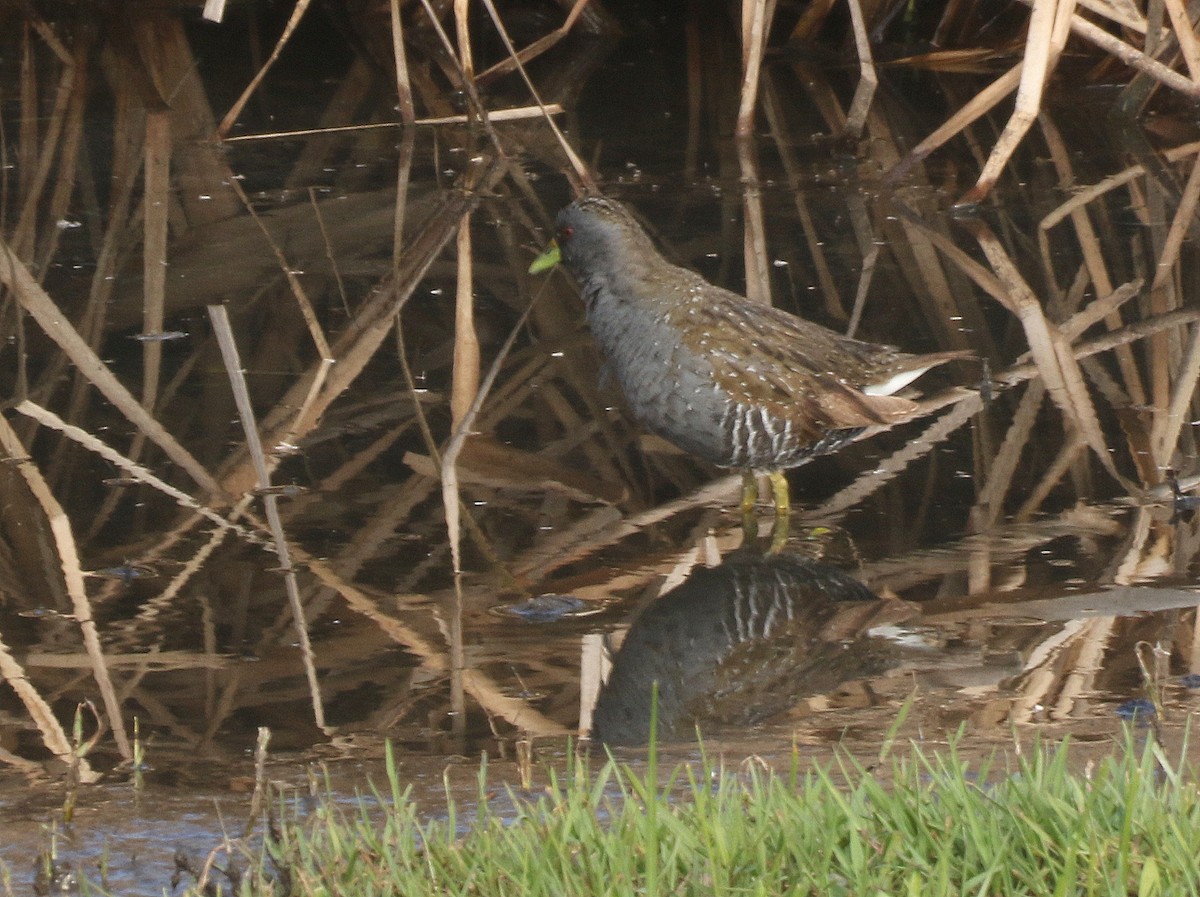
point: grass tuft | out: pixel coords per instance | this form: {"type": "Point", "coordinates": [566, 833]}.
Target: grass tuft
{"type": "Point", "coordinates": [927, 824]}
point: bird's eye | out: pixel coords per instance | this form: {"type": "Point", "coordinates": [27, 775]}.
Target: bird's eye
{"type": "Point", "coordinates": [565, 234]}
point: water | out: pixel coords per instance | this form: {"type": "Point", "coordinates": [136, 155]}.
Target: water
{"type": "Point", "coordinates": [1024, 588]}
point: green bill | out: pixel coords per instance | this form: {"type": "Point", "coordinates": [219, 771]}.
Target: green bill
{"type": "Point", "coordinates": [547, 260]}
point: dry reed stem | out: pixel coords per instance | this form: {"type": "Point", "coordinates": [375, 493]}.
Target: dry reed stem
{"type": "Point", "coordinates": [464, 382]}
{"type": "Point", "coordinates": [607, 526]}
{"type": "Point", "coordinates": [298, 292]}
{"type": "Point", "coordinates": [1049, 25]}
{"type": "Point", "coordinates": [462, 34]}
{"type": "Point", "coordinates": [1052, 353]}
{"type": "Point", "coordinates": [46, 33]}
{"type": "Point", "coordinates": [68, 558]}
{"type": "Point", "coordinates": [1086, 235]}
{"type": "Point", "coordinates": [968, 404]}
{"type": "Point", "coordinates": [1130, 56]}
{"type": "Point", "coordinates": [127, 160]}
{"type": "Point", "coordinates": [1182, 221]}
{"type": "Point", "coordinates": [149, 611]}
{"type": "Point", "coordinates": [1050, 478]}
{"type": "Point", "coordinates": [973, 109]}
{"type": "Point", "coordinates": [449, 473]}
{"type": "Point", "coordinates": [872, 480]}
{"type": "Point", "coordinates": [360, 339]}
{"type": "Point", "coordinates": [137, 445]}
{"type": "Point", "coordinates": [214, 10]}
{"type": "Point", "coordinates": [868, 247]}
{"type": "Point", "coordinates": [989, 502]}
{"type": "Point", "coordinates": [577, 165]}
{"type": "Point", "coordinates": [592, 435]}
{"type": "Point", "coordinates": [595, 666]}
{"type": "Point", "coordinates": [1086, 195]}
{"type": "Point", "coordinates": [930, 281]}
{"type": "Point", "coordinates": [492, 464]}
{"type": "Point", "coordinates": [404, 160]}
{"type": "Point", "coordinates": [329, 255]}
{"type": "Point", "coordinates": [48, 316]}
{"type": "Point", "coordinates": [756, 23]}
{"type": "Point", "coordinates": [535, 49]}
{"type": "Point", "coordinates": [69, 150]}
{"type": "Point", "coordinates": [452, 631]}
{"type": "Point", "coordinates": [53, 736]}
{"type": "Point", "coordinates": [489, 695]}
{"type": "Point", "coordinates": [237, 380]}
{"type": "Point", "coordinates": [25, 233]}
{"type": "Point", "coordinates": [395, 507]}
{"type": "Point", "coordinates": [465, 372]}
{"type": "Point", "coordinates": [515, 113]}
{"type": "Point", "coordinates": [776, 122]}
{"type": "Point", "coordinates": [48, 418]}
{"type": "Point", "coordinates": [156, 198]}
{"type": "Point", "coordinates": [27, 123]}
{"type": "Point", "coordinates": [151, 661]}
{"type": "Point", "coordinates": [1128, 15]}
{"type": "Point", "coordinates": [1167, 427]}
{"type": "Point", "coordinates": [868, 80]}
{"type": "Point", "coordinates": [454, 517]}
{"type": "Point", "coordinates": [1004, 542]}
{"type": "Point", "coordinates": [232, 115]}
{"type": "Point", "coordinates": [1092, 255]}
{"type": "Point", "coordinates": [404, 92]}
{"type": "Point", "coordinates": [754, 239]}
{"type": "Point", "coordinates": [1185, 34]}
{"type": "Point", "coordinates": [1102, 307]}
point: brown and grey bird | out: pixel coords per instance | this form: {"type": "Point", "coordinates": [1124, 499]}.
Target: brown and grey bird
{"type": "Point", "coordinates": [735, 382]}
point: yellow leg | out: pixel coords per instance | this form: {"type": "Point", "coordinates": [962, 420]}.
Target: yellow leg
{"type": "Point", "coordinates": [749, 500]}
{"type": "Point", "coordinates": [783, 510]}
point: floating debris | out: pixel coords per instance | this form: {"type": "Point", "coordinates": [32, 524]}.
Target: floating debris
{"type": "Point", "coordinates": [288, 490]}
{"type": "Point", "coordinates": [549, 608]}
{"type": "Point", "coordinates": [45, 613]}
{"type": "Point", "coordinates": [1138, 710]}
{"type": "Point", "coordinates": [125, 573]}
{"type": "Point", "coordinates": [161, 337]}
{"type": "Point", "coordinates": [1181, 503]}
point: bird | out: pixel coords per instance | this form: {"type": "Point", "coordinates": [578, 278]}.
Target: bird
{"type": "Point", "coordinates": [737, 383]}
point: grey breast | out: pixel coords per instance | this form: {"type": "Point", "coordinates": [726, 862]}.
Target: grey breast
{"type": "Point", "coordinates": [669, 387]}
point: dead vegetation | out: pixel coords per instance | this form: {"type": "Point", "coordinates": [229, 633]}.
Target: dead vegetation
{"type": "Point", "coordinates": [473, 433]}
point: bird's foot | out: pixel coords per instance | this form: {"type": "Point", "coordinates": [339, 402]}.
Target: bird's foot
{"type": "Point", "coordinates": [749, 500]}
{"type": "Point", "coordinates": [783, 511]}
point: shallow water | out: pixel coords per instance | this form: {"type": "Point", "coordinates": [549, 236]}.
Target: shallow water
{"type": "Point", "coordinates": [1022, 589]}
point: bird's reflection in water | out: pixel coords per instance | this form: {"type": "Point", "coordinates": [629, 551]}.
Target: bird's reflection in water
{"type": "Point", "coordinates": [735, 644]}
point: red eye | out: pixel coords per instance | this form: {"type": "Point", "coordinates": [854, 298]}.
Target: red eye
{"type": "Point", "coordinates": [564, 234]}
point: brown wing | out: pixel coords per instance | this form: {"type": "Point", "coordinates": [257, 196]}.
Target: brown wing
{"type": "Point", "coordinates": [792, 368]}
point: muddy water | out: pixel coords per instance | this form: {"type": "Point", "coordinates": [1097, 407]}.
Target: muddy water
{"type": "Point", "coordinates": [1016, 565]}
